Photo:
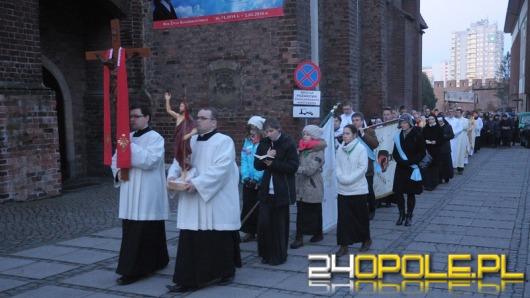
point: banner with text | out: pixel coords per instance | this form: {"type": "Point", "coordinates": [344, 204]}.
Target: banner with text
{"type": "Point", "coordinates": [184, 13]}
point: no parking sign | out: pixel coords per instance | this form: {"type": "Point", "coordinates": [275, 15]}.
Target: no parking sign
{"type": "Point", "coordinates": [307, 75]}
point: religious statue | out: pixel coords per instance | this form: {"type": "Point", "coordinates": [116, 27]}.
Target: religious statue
{"type": "Point", "coordinates": [185, 128]}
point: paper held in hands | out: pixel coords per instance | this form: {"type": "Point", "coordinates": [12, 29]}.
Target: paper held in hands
{"type": "Point", "coordinates": [264, 157]}
{"type": "Point", "coordinates": [177, 185]}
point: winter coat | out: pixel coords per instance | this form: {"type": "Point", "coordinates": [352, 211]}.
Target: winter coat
{"type": "Point", "coordinates": [309, 182]}
{"type": "Point", "coordinates": [281, 171]}
{"type": "Point", "coordinates": [413, 146]}
{"type": "Point", "coordinates": [247, 162]}
{"type": "Point", "coordinates": [351, 165]}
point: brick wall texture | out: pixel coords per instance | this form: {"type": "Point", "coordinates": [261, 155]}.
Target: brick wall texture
{"type": "Point", "coordinates": [369, 53]}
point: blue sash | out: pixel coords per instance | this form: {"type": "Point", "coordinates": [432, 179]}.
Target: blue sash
{"type": "Point", "coordinates": [416, 175]}
{"type": "Point", "coordinates": [371, 155]}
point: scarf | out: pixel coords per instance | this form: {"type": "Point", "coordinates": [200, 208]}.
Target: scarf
{"type": "Point", "coordinates": [416, 175]}
{"type": "Point", "coordinates": [303, 145]}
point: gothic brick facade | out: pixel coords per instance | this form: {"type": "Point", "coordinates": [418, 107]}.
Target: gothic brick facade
{"type": "Point", "coordinates": [369, 53]}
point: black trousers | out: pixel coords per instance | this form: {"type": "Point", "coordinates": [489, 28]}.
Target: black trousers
{"type": "Point", "coordinates": [371, 194]}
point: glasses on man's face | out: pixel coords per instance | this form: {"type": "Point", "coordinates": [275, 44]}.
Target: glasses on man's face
{"type": "Point", "coordinates": [137, 116]}
{"type": "Point", "coordinates": [203, 118]}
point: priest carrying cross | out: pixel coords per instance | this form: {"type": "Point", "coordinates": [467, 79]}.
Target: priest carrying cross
{"type": "Point", "coordinates": [144, 203]}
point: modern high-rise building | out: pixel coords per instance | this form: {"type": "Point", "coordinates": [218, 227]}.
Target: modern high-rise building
{"type": "Point", "coordinates": [477, 52]}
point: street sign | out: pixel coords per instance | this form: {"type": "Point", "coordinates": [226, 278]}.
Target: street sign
{"type": "Point", "coordinates": [306, 97]}
{"type": "Point", "coordinates": [307, 75]}
{"type": "Point", "coordinates": [306, 112]}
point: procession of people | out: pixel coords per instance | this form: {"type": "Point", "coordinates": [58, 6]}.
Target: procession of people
{"type": "Point", "coordinates": [274, 173]}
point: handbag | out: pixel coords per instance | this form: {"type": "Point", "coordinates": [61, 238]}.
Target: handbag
{"type": "Point", "coordinates": [426, 161]}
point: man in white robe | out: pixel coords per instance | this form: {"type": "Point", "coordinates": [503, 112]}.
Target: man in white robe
{"type": "Point", "coordinates": [143, 202]}
{"type": "Point", "coordinates": [456, 125]}
{"type": "Point", "coordinates": [208, 210]}
{"type": "Point", "coordinates": [462, 142]}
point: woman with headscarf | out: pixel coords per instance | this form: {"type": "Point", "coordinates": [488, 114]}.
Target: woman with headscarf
{"type": "Point", "coordinates": [433, 135]}
{"type": "Point", "coordinates": [446, 163]}
{"type": "Point", "coordinates": [409, 150]}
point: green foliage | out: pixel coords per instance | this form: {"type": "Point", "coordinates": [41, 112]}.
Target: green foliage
{"type": "Point", "coordinates": [427, 92]}
{"type": "Point", "coordinates": [503, 79]}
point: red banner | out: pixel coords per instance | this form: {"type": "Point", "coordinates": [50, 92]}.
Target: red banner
{"type": "Point", "coordinates": [219, 18]}
{"type": "Point", "coordinates": [123, 132]}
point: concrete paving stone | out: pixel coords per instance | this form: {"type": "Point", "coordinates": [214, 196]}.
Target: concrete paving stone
{"type": "Point", "coordinates": [500, 224]}
{"type": "Point", "coordinates": [94, 242]}
{"type": "Point", "coordinates": [227, 291]}
{"type": "Point", "coordinates": [274, 293]}
{"type": "Point", "coordinates": [489, 242]}
{"type": "Point", "coordinates": [453, 238]}
{"type": "Point", "coordinates": [54, 292]}
{"type": "Point", "coordinates": [7, 284]}
{"type": "Point", "coordinates": [385, 234]}
{"type": "Point", "coordinates": [298, 282]}
{"type": "Point", "coordinates": [495, 216]}
{"type": "Point", "coordinates": [458, 207]}
{"type": "Point", "coordinates": [489, 232]}
{"type": "Point", "coordinates": [104, 295]}
{"type": "Point", "coordinates": [110, 233]}
{"type": "Point", "coordinates": [10, 263]}
{"type": "Point", "coordinates": [461, 200]}
{"type": "Point", "coordinates": [150, 286]}
{"type": "Point", "coordinates": [261, 277]}
{"type": "Point", "coordinates": [444, 229]}
{"type": "Point", "coordinates": [166, 271]}
{"type": "Point", "coordinates": [84, 256]}
{"type": "Point", "coordinates": [293, 263]}
{"type": "Point", "coordinates": [45, 252]}
{"type": "Point", "coordinates": [459, 213]}
{"type": "Point", "coordinates": [40, 270]}
{"type": "Point", "coordinates": [101, 279]}
{"type": "Point", "coordinates": [451, 221]}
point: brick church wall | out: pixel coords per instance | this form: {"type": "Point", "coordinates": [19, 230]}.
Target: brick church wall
{"type": "Point", "coordinates": [263, 53]}
{"type": "Point", "coordinates": [29, 155]}
{"type": "Point", "coordinates": [29, 150]}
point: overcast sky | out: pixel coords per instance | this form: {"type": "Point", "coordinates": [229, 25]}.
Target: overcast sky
{"type": "Point", "coordinates": [446, 16]}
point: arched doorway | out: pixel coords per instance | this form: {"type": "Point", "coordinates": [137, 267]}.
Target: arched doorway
{"type": "Point", "coordinates": [53, 79]}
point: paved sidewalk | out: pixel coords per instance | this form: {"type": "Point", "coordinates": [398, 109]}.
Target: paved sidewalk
{"type": "Point", "coordinates": [68, 246]}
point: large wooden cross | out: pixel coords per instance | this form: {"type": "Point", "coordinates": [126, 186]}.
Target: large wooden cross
{"type": "Point", "coordinates": [111, 63]}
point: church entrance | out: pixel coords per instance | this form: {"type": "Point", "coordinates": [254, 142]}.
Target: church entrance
{"type": "Point", "coordinates": [50, 82]}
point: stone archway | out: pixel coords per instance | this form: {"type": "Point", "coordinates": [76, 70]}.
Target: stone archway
{"type": "Point", "coordinates": [68, 139]}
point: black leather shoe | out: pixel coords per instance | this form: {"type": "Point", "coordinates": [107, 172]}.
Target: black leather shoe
{"type": "Point", "coordinates": [296, 244]}
{"type": "Point", "coordinates": [366, 245]}
{"type": "Point", "coordinates": [226, 280]}
{"type": "Point", "coordinates": [127, 280]}
{"type": "Point", "coordinates": [316, 238]}
{"type": "Point", "coordinates": [180, 289]}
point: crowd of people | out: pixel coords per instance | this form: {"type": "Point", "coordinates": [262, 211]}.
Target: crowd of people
{"type": "Point", "coordinates": [276, 172]}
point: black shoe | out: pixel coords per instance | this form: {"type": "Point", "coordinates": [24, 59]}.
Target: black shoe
{"type": "Point", "coordinates": [408, 220]}
{"type": "Point", "coordinates": [180, 289]}
{"type": "Point", "coordinates": [316, 238]}
{"type": "Point", "coordinates": [297, 244]}
{"type": "Point", "coordinates": [429, 188]}
{"type": "Point", "coordinates": [366, 245]}
{"type": "Point", "coordinates": [343, 250]}
{"type": "Point", "coordinates": [371, 215]}
{"type": "Point", "coordinates": [401, 218]}
{"type": "Point", "coordinates": [446, 180]}
{"type": "Point", "coordinates": [127, 280]}
{"type": "Point", "coordinates": [225, 281]}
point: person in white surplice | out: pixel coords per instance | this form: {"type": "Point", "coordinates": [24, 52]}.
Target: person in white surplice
{"type": "Point", "coordinates": [463, 142]}
{"type": "Point", "coordinates": [456, 125]}
{"type": "Point", "coordinates": [143, 202]}
{"type": "Point", "coordinates": [208, 210]}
